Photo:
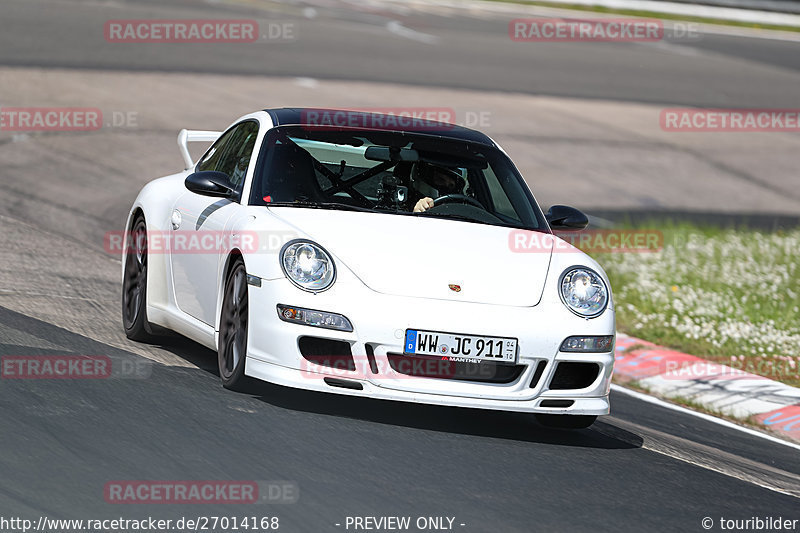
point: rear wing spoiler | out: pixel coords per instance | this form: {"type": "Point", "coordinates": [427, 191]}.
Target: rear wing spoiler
{"type": "Point", "coordinates": [187, 136]}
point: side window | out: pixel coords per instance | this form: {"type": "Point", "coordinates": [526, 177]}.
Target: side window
{"type": "Point", "coordinates": [211, 157]}
{"type": "Point", "coordinates": [500, 199]}
{"type": "Point", "coordinates": [231, 153]}
{"type": "Point", "coordinates": [236, 155]}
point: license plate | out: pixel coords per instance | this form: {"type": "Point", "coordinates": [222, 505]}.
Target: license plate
{"type": "Point", "coordinates": [455, 346]}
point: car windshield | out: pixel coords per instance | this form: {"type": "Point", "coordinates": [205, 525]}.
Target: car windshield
{"type": "Point", "coordinates": [392, 172]}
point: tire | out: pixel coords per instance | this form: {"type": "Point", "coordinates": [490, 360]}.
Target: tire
{"type": "Point", "coordinates": [134, 284]}
{"type": "Point", "coordinates": [232, 345]}
{"type": "Point", "coordinates": [566, 421]}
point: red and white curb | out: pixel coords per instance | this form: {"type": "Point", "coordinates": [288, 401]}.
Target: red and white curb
{"type": "Point", "coordinates": [770, 404]}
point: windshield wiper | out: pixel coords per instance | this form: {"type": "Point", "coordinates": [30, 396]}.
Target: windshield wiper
{"type": "Point", "coordinates": [452, 216]}
{"type": "Point", "coordinates": [348, 207]}
{"type": "Point", "coordinates": [320, 205]}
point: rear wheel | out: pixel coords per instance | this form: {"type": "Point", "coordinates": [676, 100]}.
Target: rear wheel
{"type": "Point", "coordinates": [134, 284]}
{"type": "Point", "coordinates": [566, 421]}
{"type": "Point", "coordinates": [232, 347]}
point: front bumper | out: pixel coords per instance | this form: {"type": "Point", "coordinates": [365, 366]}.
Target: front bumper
{"type": "Point", "coordinates": [379, 323]}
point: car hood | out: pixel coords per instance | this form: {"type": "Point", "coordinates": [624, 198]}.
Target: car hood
{"type": "Point", "coordinates": [421, 257]}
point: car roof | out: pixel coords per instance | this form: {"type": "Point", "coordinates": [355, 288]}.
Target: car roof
{"type": "Point", "coordinates": [300, 116]}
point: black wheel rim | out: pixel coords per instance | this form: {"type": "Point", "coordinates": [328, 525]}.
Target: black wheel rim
{"type": "Point", "coordinates": [234, 323]}
{"type": "Point", "coordinates": [133, 288]}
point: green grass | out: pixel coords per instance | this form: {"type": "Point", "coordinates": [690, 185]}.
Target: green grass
{"type": "Point", "coordinates": [652, 14]}
{"type": "Point", "coordinates": [728, 295]}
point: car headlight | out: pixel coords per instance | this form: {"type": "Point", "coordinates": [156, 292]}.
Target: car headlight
{"type": "Point", "coordinates": [583, 291]}
{"type": "Point", "coordinates": [307, 265]}
{"type": "Point", "coordinates": [310, 317]}
{"type": "Point", "coordinates": [588, 344]}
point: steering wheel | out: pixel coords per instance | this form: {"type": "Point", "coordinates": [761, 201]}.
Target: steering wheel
{"type": "Point", "coordinates": [457, 198]}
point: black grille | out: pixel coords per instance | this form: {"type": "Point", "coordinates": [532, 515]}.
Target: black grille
{"type": "Point", "coordinates": [327, 352]}
{"type": "Point", "coordinates": [434, 367]}
{"type": "Point", "coordinates": [569, 375]}
{"type": "Point", "coordinates": [537, 374]}
{"type": "Point", "coordinates": [373, 365]}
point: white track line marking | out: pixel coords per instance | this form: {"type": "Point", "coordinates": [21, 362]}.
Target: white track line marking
{"type": "Point", "coordinates": [307, 83]}
{"type": "Point", "coordinates": [398, 29]}
{"type": "Point", "coordinates": [704, 456]}
{"type": "Point", "coordinates": [704, 416]}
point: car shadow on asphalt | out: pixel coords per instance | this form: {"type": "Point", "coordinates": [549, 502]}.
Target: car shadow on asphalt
{"type": "Point", "coordinates": [475, 422]}
{"type": "Point", "coordinates": [456, 420]}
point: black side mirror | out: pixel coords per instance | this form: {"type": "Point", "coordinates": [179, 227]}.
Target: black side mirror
{"type": "Point", "coordinates": [211, 183]}
{"type": "Point", "coordinates": [566, 218]}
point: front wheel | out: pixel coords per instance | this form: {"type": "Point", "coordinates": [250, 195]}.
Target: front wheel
{"type": "Point", "coordinates": [232, 347]}
{"type": "Point", "coordinates": [566, 421]}
{"type": "Point", "coordinates": [134, 284]}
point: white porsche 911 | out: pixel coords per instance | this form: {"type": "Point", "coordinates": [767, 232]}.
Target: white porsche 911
{"type": "Point", "coordinates": [374, 257]}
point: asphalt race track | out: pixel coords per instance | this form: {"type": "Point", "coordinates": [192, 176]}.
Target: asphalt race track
{"type": "Point", "coordinates": [64, 440]}
{"type": "Point", "coordinates": [165, 416]}
{"type": "Point", "coordinates": [341, 41]}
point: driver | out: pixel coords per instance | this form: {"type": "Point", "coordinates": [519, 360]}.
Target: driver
{"type": "Point", "coordinates": [433, 181]}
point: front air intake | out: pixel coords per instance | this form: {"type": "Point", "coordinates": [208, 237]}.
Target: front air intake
{"type": "Point", "coordinates": [327, 352]}
{"type": "Point", "coordinates": [436, 368]}
{"type": "Point", "coordinates": [570, 375]}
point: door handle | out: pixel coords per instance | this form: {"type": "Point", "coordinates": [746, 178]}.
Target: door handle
{"type": "Point", "coordinates": [176, 219]}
